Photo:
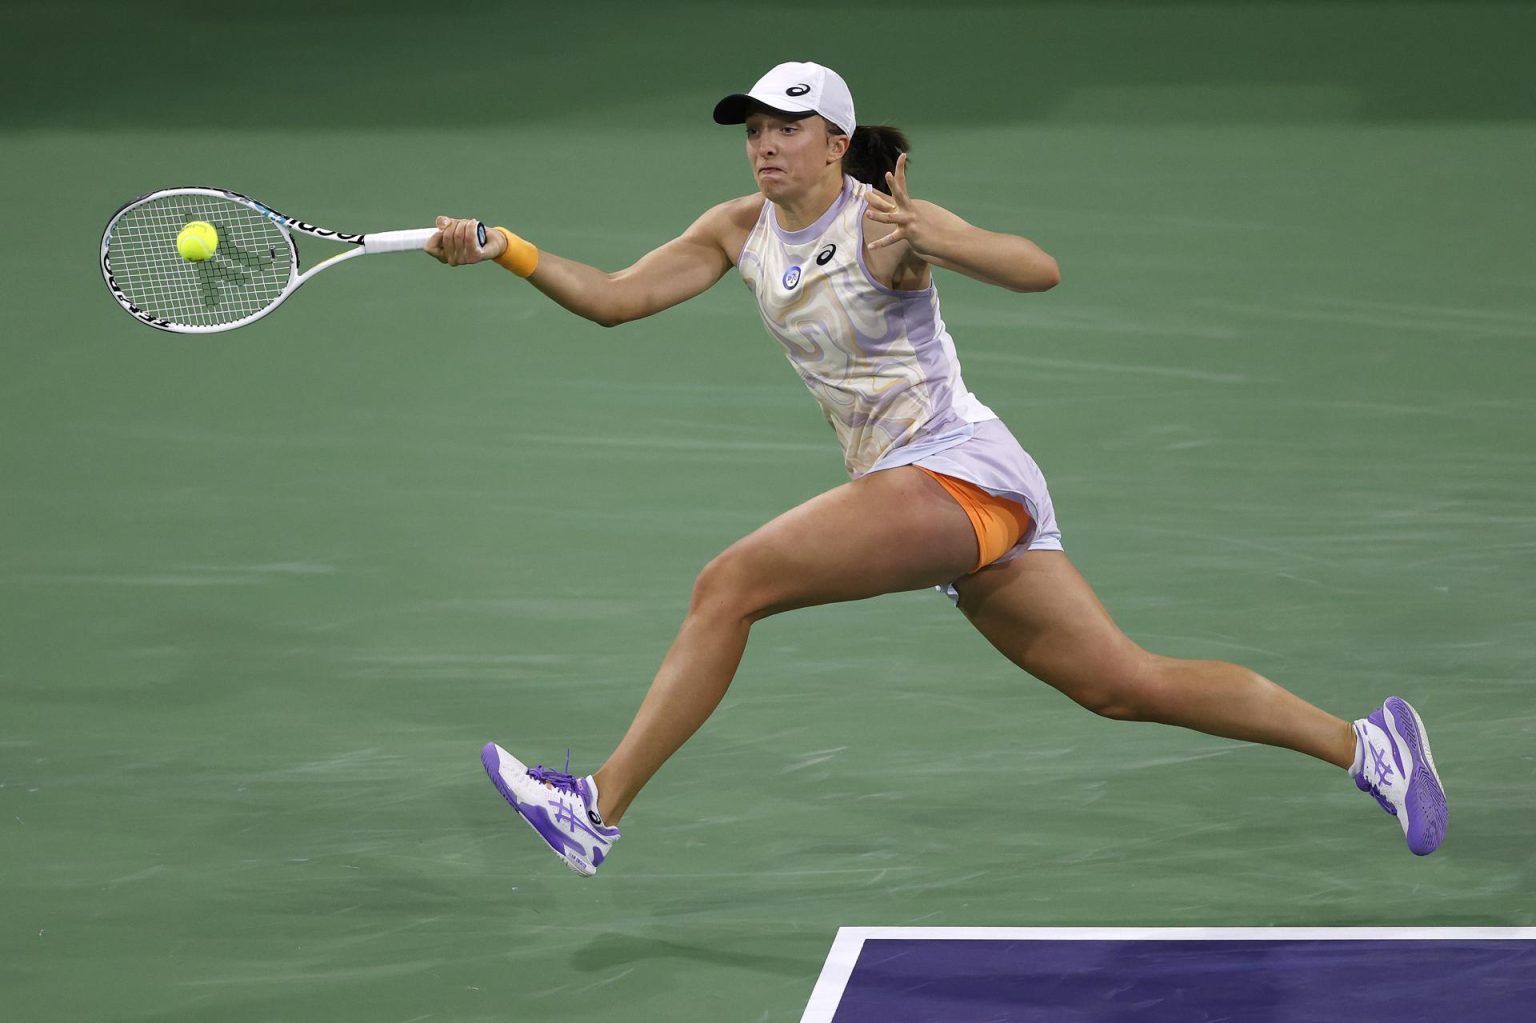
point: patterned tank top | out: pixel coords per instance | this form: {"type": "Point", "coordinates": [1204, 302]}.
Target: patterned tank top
{"type": "Point", "coordinates": [880, 362]}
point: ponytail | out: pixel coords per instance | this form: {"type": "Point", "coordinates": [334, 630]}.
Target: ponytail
{"type": "Point", "coordinates": [872, 152]}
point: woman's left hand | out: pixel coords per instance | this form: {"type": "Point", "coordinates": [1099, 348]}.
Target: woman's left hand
{"type": "Point", "coordinates": [913, 221]}
{"type": "Point", "coordinates": [941, 238]}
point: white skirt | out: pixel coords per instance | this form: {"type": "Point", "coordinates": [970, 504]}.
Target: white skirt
{"type": "Point", "coordinates": [992, 458]}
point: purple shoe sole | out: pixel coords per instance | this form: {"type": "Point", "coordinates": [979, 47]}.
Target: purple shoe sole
{"type": "Point", "coordinates": [1425, 800]}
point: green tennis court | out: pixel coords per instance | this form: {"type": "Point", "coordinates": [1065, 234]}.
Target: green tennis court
{"type": "Point", "coordinates": [263, 595]}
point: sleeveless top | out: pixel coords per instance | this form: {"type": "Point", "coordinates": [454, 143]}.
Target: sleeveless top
{"type": "Point", "coordinates": [879, 362]}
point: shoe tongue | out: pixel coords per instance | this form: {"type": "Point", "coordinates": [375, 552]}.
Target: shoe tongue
{"type": "Point", "coordinates": [587, 789]}
{"type": "Point", "coordinates": [1359, 763]}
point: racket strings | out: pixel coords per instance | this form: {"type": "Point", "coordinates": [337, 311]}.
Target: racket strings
{"type": "Point", "coordinates": [248, 272]}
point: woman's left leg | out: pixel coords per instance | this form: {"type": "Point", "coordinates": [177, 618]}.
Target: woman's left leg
{"type": "Point", "coordinates": [889, 531]}
{"type": "Point", "coordinates": [1040, 613]}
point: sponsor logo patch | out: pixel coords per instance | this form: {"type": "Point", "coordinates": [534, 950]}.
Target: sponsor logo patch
{"type": "Point", "coordinates": [791, 278]}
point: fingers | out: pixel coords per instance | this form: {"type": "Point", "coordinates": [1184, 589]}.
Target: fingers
{"type": "Point", "coordinates": [457, 242]}
{"type": "Point", "coordinates": [896, 182]}
{"type": "Point", "coordinates": [899, 181]}
{"type": "Point", "coordinates": [882, 209]}
{"type": "Point", "coordinates": [895, 209]}
{"type": "Point", "coordinates": [464, 245]}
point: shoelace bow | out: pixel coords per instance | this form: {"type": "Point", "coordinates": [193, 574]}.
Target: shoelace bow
{"type": "Point", "coordinates": [562, 780]}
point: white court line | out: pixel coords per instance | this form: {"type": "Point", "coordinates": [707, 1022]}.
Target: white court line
{"type": "Point", "coordinates": [849, 943]}
{"type": "Point", "coordinates": [828, 993]}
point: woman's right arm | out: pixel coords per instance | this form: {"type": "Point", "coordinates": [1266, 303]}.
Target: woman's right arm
{"type": "Point", "coordinates": [686, 266]}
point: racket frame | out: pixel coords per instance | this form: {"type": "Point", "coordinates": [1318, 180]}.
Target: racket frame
{"type": "Point", "coordinates": [363, 245]}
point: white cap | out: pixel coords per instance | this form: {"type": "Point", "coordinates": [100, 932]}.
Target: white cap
{"type": "Point", "coordinates": [794, 88]}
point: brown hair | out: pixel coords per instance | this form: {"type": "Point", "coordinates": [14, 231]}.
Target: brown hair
{"type": "Point", "coordinates": [872, 151]}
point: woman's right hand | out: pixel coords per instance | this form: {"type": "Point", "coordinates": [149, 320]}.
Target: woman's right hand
{"type": "Point", "coordinates": [457, 242]}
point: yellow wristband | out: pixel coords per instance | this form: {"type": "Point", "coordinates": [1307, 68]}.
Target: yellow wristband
{"type": "Point", "coordinates": [521, 257]}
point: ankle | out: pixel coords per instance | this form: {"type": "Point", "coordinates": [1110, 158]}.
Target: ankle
{"type": "Point", "coordinates": [607, 804]}
{"type": "Point", "coordinates": [1355, 753]}
{"type": "Point", "coordinates": [1349, 753]}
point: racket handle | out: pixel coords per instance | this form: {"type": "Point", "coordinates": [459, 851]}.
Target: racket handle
{"type": "Point", "coordinates": [398, 241]}
{"type": "Point", "coordinates": [407, 241]}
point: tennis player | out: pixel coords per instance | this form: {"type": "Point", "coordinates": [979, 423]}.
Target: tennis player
{"type": "Point", "coordinates": [840, 258]}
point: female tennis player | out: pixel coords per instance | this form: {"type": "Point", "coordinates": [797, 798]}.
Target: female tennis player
{"type": "Point", "coordinates": [840, 258]}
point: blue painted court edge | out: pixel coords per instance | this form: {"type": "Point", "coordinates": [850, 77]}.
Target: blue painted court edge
{"type": "Point", "coordinates": [1163, 975]}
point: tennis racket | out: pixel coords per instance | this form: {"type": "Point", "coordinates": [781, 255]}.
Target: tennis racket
{"type": "Point", "coordinates": [254, 268]}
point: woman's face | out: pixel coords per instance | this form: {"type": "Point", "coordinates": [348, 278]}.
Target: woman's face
{"type": "Point", "coordinates": [790, 155]}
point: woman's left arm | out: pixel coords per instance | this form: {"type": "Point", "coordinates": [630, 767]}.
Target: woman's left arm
{"type": "Point", "coordinates": [942, 238]}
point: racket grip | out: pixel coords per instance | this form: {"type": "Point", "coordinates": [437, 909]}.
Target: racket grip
{"type": "Point", "coordinates": [398, 241]}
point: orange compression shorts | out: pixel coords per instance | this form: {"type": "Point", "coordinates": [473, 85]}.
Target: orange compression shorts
{"type": "Point", "coordinates": [999, 522]}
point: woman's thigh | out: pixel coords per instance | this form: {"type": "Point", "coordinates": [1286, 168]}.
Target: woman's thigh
{"type": "Point", "coordinates": [890, 531]}
{"type": "Point", "coordinates": [1040, 613]}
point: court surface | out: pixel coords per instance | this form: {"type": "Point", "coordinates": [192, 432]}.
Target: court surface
{"type": "Point", "coordinates": [264, 596]}
{"type": "Point", "coordinates": [1173, 974]}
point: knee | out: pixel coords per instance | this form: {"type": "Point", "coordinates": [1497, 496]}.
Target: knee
{"type": "Point", "coordinates": [731, 585]}
{"type": "Point", "coordinates": [1129, 693]}
{"type": "Point", "coordinates": [1113, 702]}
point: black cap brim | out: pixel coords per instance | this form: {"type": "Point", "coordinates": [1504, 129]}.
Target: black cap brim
{"type": "Point", "coordinates": [735, 107]}
{"type": "Point", "coordinates": [732, 109]}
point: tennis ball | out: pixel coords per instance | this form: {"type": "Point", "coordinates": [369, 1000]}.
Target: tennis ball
{"type": "Point", "coordinates": [197, 241]}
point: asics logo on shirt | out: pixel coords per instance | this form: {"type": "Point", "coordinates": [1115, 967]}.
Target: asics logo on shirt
{"type": "Point", "coordinates": [825, 255]}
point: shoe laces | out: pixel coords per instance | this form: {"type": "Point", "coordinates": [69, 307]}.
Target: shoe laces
{"type": "Point", "coordinates": [564, 780]}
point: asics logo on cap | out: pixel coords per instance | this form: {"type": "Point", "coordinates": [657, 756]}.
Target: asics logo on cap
{"type": "Point", "coordinates": [797, 90]}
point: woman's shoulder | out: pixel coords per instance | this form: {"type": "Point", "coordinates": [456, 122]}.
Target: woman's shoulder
{"type": "Point", "coordinates": [741, 213]}
{"type": "Point", "coordinates": [730, 222]}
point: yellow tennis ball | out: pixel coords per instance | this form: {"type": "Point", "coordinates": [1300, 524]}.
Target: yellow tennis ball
{"type": "Point", "coordinates": [197, 241]}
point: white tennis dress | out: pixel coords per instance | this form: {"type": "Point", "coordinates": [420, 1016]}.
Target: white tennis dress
{"type": "Point", "coordinates": [881, 363]}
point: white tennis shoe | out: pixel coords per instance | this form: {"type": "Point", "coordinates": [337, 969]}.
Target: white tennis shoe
{"type": "Point", "coordinates": [560, 807]}
{"type": "Point", "coordinates": [1393, 763]}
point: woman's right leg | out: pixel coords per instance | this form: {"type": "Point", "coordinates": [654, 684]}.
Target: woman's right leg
{"type": "Point", "coordinates": [1040, 613]}
{"type": "Point", "coordinates": [887, 532]}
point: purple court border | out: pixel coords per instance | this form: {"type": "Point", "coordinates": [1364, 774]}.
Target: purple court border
{"type": "Point", "coordinates": [849, 944]}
